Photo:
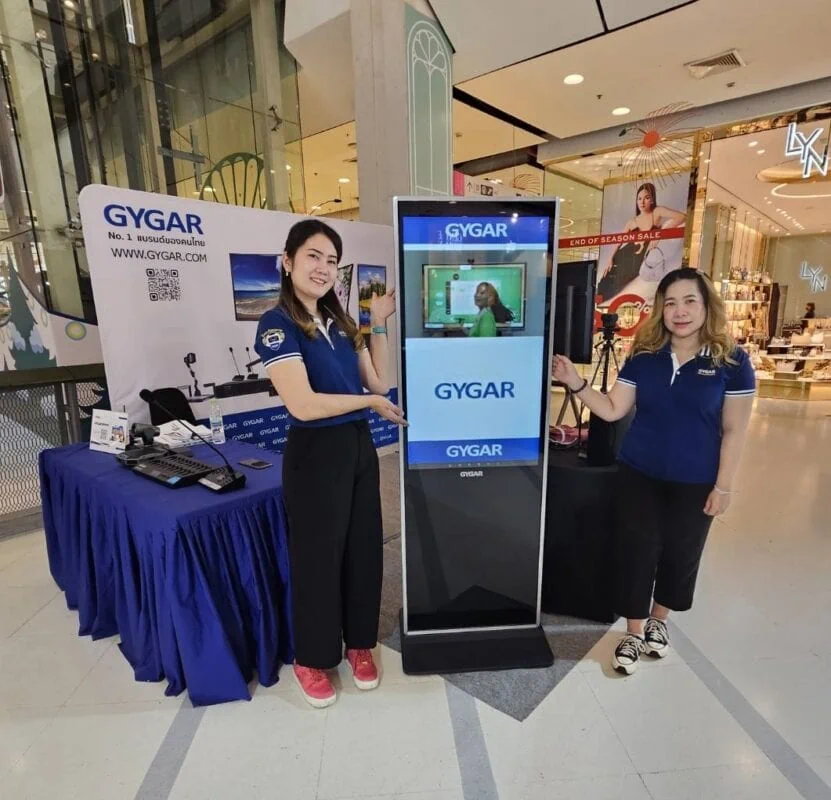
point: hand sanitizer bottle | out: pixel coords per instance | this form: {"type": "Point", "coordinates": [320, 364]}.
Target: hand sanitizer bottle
{"type": "Point", "coordinates": [217, 425]}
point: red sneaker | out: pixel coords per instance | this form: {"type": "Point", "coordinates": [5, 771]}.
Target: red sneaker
{"type": "Point", "coordinates": [364, 671]}
{"type": "Point", "coordinates": [316, 686]}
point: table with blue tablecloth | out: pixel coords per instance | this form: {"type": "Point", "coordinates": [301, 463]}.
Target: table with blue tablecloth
{"type": "Point", "coordinates": [196, 584]}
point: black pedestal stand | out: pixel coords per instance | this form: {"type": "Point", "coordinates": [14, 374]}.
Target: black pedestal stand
{"type": "Point", "coordinates": [477, 651]}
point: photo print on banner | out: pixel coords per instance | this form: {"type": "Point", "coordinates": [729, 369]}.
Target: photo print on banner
{"type": "Point", "coordinates": [641, 239]}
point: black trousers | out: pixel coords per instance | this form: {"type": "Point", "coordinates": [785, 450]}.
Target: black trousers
{"type": "Point", "coordinates": [661, 529]}
{"type": "Point", "coordinates": [333, 502]}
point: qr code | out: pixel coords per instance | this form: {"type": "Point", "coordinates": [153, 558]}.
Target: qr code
{"type": "Point", "coordinates": [163, 284]}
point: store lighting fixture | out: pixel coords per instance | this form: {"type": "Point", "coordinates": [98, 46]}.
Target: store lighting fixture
{"type": "Point", "coordinates": [343, 180]}
{"type": "Point", "coordinates": [69, 4]}
{"type": "Point", "coordinates": [754, 143]}
{"type": "Point", "coordinates": [573, 80]}
{"type": "Point", "coordinates": [777, 189]}
{"type": "Point", "coordinates": [621, 111]}
{"type": "Point", "coordinates": [315, 208]}
{"type": "Point", "coordinates": [288, 167]}
{"type": "Point", "coordinates": [761, 152]}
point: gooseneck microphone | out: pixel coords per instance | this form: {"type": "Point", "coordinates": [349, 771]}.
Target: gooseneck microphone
{"type": "Point", "coordinates": [252, 376]}
{"type": "Point", "coordinates": [239, 376]}
{"type": "Point", "coordinates": [230, 478]}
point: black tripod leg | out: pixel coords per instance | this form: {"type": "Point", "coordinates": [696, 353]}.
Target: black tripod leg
{"type": "Point", "coordinates": [562, 414]}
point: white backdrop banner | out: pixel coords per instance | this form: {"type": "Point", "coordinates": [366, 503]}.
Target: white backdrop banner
{"type": "Point", "coordinates": [179, 287]}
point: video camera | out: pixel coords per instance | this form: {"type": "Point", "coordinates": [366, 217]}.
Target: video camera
{"type": "Point", "coordinates": [609, 325]}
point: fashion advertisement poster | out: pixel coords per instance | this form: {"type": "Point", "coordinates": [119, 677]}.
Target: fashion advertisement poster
{"type": "Point", "coordinates": [642, 239]}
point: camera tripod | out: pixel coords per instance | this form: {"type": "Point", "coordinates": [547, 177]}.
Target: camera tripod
{"type": "Point", "coordinates": [606, 354]}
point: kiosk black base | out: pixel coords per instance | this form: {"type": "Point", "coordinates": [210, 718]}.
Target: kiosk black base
{"type": "Point", "coordinates": [477, 651]}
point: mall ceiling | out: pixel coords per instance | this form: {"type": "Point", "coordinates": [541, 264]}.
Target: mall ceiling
{"type": "Point", "coordinates": [752, 174]}
{"type": "Point", "coordinates": [514, 56]}
{"type": "Point", "coordinates": [642, 67]}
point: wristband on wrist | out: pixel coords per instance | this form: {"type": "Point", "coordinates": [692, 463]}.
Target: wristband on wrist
{"type": "Point", "coordinates": [722, 491]}
{"type": "Point", "coordinates": [585, 384]}
{"type": "Point", "coordinates": [379, 329]}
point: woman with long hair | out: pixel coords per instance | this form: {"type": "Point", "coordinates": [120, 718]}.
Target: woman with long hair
{"type": "Point", "coordinates": [320, 366]}
{"type": "Point", "coordinates": [627, 262]}
{"type": "Point", "coordinates": [692, 389]}
{"type": "Point", "coordinates": [492, 311]}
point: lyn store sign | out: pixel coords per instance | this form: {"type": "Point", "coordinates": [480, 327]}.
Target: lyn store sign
{"type": "Point", "coordinates": [817, 278]}
{"type": "Point", "coordinates": [798, 144]}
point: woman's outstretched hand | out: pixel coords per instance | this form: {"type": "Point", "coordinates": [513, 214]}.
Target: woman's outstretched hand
{"type": "Point", "coordinates": [565, 372]}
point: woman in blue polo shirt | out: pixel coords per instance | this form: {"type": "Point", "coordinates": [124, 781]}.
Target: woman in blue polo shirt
{"type": "Point", "coordinates": [319, 364]}
{"type": "Point", "coordinates": [692, 389]}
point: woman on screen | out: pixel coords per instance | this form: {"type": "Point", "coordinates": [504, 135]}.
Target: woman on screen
{"type": "Point", "coordinates": [492, 312]}
{"type": "Point", "coordinates": [636, 259]}
{"type": "Point", "coordinates": [320, 365]}
{"type": "Point", "coordinates": [692, 389]}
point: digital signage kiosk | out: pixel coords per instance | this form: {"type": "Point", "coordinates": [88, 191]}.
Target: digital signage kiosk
{"type": "Point", "coordinates": [476, 283]}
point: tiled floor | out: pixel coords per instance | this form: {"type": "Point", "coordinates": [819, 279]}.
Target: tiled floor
{"type": "Point", "coordinates": [740, 710]}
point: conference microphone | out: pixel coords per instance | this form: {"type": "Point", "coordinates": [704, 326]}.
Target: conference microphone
{"type": "Point", "coordinates": [225, 479]}
{"type": "Point", "coordinates": [252, 376]}
{"type": "Point", "coordinates": [239, 376]}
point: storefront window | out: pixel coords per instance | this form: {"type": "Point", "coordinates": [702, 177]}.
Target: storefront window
{"type": "Point", "coordinates": [196, 98]}
{"type": "Point", "coordinates": [765, 240]}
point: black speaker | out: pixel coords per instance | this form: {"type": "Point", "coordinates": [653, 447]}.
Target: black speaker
{"type": "Point", "coordinates": [606, 439]}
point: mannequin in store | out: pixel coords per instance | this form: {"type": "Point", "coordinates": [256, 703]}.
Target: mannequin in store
{"type": "Point", "coordinates": [320, 366]}
{"type": "Point", "coordinates": [693, 391]}
{"type": "Point", "coordinates": [639, 261]}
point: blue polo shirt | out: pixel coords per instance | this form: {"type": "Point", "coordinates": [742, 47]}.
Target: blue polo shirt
{"type": "Point", "coordinates": [330, 359]}
{"type": "Point", "coordinates": [676, 432]}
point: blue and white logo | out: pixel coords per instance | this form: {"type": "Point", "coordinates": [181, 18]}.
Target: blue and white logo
{"type": "Point", "coordinates": [474, 401]}
{"type": "Point", "coordinates": [475, 390]}
{"type": "Point", "coordinates": [472, 233]}
{"type": "Point", "coordinates": [152, 219]}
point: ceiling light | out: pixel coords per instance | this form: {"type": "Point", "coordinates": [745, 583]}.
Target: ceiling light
{"type": "Point", "coordinates": [343, 180]}
{"type": "Point", "coordinates": [288, 167]}
{"type": "Point", "coordinates": [273, 172]}
{"type": "Point", "coordinates": [621, 111]}
{"type": "Point", "coordinates": [761, 152]}
{"type": "Point", "coordinates": [706, 160]}
{"type": "Point", "coordinates": [754, 143]}
{"type": "Point", "coordinates": [69, 4]}
{"type": "Point", "coordinates": [573, 80]}
{"type": "Point", "coordinates": [315, 208]}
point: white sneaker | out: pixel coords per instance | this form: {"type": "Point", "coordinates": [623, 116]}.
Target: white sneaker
{"type": "Point", "coordinates": [627, 654]}
{"type": "Point", "coordinates": [656, 638]}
